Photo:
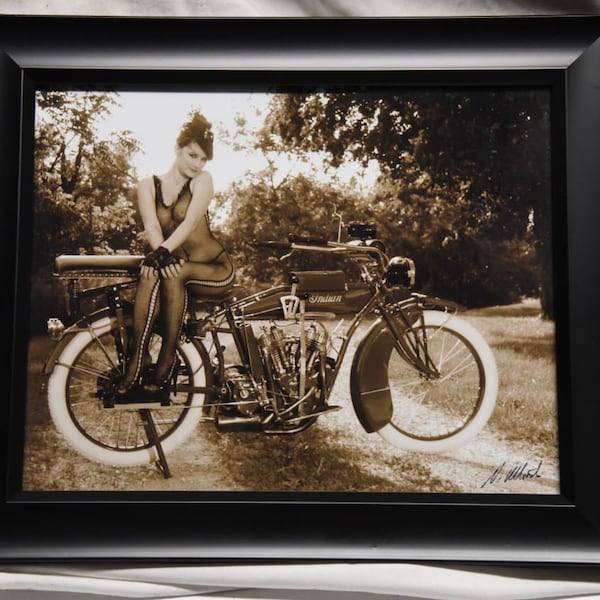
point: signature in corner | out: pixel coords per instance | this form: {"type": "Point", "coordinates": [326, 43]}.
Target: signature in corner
{"type": "Point", "coordinates": [520, 471]}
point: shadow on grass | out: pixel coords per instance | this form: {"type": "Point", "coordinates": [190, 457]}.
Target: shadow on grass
{"type": "Point", "coordinates": [538, 348]}
{"type": "Point", "coordinates": [250, 462]}
{"type": "Point", "coordinates": [524, 309]}
{"type": "Point", "coordinates": [37, 406]}
{"type": "Point", "coordinates": [312, 461]}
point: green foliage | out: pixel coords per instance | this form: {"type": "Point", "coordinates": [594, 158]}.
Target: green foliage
{"type": "Point", "coordinates": [458, 256]}
{"type": "Point", "coordinates": [83, 190]}
{"type": "Point", "coordinates": [463, 190]}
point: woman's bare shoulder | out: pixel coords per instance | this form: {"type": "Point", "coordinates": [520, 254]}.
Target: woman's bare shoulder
{"type": "Point", "coordinates": [146, 182]}
{"type": "Point", "coordinates": [204, 178]}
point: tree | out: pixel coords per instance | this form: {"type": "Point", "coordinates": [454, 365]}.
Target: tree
{"type": "Point", "coordinates": [295, 193]}
{"type": "Point", "coordinates": [264, 210]}
{"type": "Point", "coordinates": [469, 168]}
{"type": "Point", "coordinates": [83, 184]}
{"type": "Point", "coordinates": [83, 189]}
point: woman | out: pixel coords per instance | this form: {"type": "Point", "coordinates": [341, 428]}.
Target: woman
{"type": "Point", "coordinates": [185, 257]}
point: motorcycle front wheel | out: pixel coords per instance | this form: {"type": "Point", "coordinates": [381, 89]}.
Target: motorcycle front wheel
{"type": "Point", "coordinates": [83, 374]}
{"type": "Point", "coordinates": [442, 413]}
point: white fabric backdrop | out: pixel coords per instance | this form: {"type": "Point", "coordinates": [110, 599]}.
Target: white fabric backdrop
{"type": "Point", "coordinates": [365, 581]}
{"type": "Point", "coordinates": [299, 8]}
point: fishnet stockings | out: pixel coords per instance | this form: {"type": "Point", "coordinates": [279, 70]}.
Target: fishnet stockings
{"type": "Point", "coordinates": [169, 297]}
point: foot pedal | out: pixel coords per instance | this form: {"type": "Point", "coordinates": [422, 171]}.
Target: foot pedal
{"type": "Point", "coordinates": [137, 399]}
{"type": "Point", "coordinates": [324, 409]}
{"type": "Point", "coordinates": [139, 405]}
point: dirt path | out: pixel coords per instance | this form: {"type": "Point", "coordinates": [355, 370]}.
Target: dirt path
{"type": "Point", "coordinates": [211, 461]}
{"type": "Point", "coordinates": [490, 463]}
{"type": "Point", "coordinates": [335, 451]}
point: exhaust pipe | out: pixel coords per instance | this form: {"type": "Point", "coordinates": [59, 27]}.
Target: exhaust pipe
{"type": "Point", "coordinates": [236, 423]}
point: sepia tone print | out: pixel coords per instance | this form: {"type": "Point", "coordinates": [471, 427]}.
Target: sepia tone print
{"type": "Point", "coordinates": [391, 326]}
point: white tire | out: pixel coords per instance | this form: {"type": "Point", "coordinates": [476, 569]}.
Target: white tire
{"type": "Point", "coordinates": [116, 436]}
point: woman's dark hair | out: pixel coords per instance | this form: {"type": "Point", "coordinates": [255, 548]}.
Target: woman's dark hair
{"type": "Point", "coordinates": [197, 129]}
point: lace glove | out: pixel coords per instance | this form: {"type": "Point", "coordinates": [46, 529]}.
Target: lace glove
{"type": "Point", "coordinates": [157, 258]}
{"type": "Point", "coordinates": [170, 266]}
{"type": "Point", "coordinates": [171, 259]}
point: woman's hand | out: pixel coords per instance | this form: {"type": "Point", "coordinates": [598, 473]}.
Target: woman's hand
{"type": "Point", "coordinates": [148, 272]}
{"type": "Point", "coordinates": [161, 261]}
{"type": "Point", "coordinates": [171, 266]}
{"type": "Point", "coordinates": [153, 262]}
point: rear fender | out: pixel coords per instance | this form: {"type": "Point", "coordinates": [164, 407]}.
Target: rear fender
{"type": "Point", "coordinates": [80, 325]}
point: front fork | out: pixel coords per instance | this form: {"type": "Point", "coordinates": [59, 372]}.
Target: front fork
{"type": "Point", "coordinates": [410, 340]}
{"type": "Point", "coordinates": [397, 329]}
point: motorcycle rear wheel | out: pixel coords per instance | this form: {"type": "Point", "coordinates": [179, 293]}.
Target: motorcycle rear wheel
{"type": "Point", "coordinates": [437, 415]}
{"type": "Point", "coordinates": [115, 436]}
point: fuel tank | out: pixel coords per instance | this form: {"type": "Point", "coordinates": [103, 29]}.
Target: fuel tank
{"type": "Point", "coordinates": [267, 304]}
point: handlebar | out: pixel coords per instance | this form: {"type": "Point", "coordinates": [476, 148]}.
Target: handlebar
{"type": "Point", "coordinates": [272, 244]}
{"type": "Point", "coordinates": [309, 244]}
{"type": "Point", "coordinates": [308, 241]}
{"type": "Point", "coordinates": [293, 241]}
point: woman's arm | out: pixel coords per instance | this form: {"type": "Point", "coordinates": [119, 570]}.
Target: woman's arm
{"type": "Point", "coordinates": [202, 194]}
{"type": "Point", "coordinates": [147, 208]}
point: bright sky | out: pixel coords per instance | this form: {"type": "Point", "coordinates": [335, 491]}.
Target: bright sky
{"type": "Point", "coordinates": [154, 118]}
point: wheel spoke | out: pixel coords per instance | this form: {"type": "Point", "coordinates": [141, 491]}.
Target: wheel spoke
{"type": "Point", "coordinates": [115, 428]}
{"type": "Point", "coordinates": [466, 363]}
{"type": "Point", "coordinates": [445, 357]}
{"type": "Point", "coordinates": [85, 369]}
{"type": "Point", "coordinates": [416, 406]}
{"type": "Point", "coordinates": [430, 409]}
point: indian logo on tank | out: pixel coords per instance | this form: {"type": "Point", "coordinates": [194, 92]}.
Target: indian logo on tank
{"type": "Point", "coordinates": [324, 298]}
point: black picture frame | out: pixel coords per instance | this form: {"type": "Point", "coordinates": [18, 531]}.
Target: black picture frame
{"type": "Point", "coordinates": [561, 51]}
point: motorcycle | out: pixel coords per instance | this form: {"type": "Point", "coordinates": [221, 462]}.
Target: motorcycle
{"type": "Point", "coordinates": [421, 377]}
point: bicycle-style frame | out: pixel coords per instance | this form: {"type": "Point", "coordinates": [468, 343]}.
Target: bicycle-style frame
{"type": "Point", "coordinates": [412, 348]}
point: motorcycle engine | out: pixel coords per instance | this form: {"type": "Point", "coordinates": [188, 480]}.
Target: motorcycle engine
{"type": "Point", "coordinates": [282, 352]}
{"type": "Point", "coordinates": [241, 391]}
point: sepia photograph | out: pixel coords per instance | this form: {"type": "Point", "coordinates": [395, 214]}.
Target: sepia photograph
{"type": "Point", "coordinates": [306, 290]}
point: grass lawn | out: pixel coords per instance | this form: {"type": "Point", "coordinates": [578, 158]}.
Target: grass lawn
{"type": "Point", "coordinates": [524, 348]}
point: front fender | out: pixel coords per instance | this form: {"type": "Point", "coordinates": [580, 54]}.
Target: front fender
{"type": "Point", "coordinates": [369, 382]}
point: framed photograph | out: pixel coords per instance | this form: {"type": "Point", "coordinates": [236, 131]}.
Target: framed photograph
{"type": "Point", "coordinates": [320, 290]}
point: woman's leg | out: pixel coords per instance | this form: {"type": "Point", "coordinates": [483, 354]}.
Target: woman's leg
{"type": "Point", "coordinates": [208, 279]}
{"type": "Point", "coordinates": [173, 299]}
{"type": "Point", "coordinates": [211, 279]}
{"type": "Point", "coordinates": [145, 311]}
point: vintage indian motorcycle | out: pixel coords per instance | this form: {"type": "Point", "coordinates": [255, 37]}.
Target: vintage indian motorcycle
{"type": "Point", "coordinates": [421, 377]}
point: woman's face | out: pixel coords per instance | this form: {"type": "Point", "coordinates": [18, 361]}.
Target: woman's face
{"type": "Point", "coordinates": [191, 159]}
